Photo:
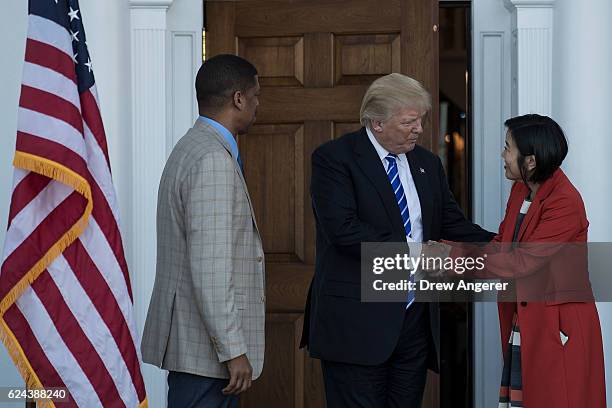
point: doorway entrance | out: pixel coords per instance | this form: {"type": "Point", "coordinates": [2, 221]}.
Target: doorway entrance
{"type": "Point", "coordinates": [315, 60]}
{"type": "Point", "coordinates": [454, 149]}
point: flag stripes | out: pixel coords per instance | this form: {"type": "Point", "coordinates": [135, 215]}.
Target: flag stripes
{"type": "Point", "coordinates": [66, 313]}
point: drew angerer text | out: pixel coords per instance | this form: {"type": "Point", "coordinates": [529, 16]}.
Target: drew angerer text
{"type": "Point", "coordinates": [425, 285]}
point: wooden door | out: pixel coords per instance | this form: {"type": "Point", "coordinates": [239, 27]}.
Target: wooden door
{"type": "Point", "coordinates": [315, 60]}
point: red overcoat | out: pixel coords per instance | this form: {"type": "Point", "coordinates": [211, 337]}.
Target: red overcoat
{"type": "Point", "coordinates": [554, 375]}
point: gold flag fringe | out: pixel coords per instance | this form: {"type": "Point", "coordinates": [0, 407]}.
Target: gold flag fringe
{"type": "Point", "coordinates": [21, 362]}
{"type": "Point", "coordinates": [64, 175]}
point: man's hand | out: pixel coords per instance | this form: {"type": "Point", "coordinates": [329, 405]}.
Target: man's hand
{"type": "Point", "coordinates": [438, 251]}
{"type": "Point", "coordinates": [241, 373]}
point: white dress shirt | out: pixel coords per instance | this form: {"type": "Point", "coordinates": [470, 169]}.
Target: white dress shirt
{"type": "Point", "coordinates": [414, 205]}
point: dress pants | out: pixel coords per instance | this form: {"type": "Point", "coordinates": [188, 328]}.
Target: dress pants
{"type": "Point", "coordinates": [194, 391]}
{"type": "Point", "coordinates": [398, 382]}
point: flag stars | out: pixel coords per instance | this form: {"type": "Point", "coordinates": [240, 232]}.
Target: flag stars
{"type": "Point", "coordinates": [73, 14]}
{"type": "Point", "coordinates": [74, 58]}
{"type": "Point", "coordinates": [89, 64]}
{"type": "Point", "coordinates": [74, 36]}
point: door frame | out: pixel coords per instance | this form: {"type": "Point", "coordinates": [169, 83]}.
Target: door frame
{"type": "Point", "coordinates": [491, 104]}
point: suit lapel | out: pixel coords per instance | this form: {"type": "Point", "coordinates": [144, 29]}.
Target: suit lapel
{"type": "Point", "coordinates": [226, 146]}
{"type": "Point", "coordinates": [369, 162]}
{"type": "Point", "coordinates": [421, 182]}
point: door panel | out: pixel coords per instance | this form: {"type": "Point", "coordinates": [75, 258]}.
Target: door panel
{"type": "Point", "coordinates": [315, 60]}
{"type": "Point", "coordinates": [285, 386]}
{"type": "Point", "coordinates": [273, 170]}
{"type": "Point", "coordinates": [279, 60]}
{"type": "Point", "coordinates": [360, 59]}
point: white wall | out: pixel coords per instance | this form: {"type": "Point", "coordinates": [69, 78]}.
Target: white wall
{"type": "Point", "coordinates": [582, 88]}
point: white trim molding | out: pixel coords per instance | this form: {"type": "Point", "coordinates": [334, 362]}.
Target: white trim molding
{"type": "Point", "coordinates": [532, 30]}
{"type": "Point", "coordinates": [149, 4]}
{"type": "Point", "coordinates": [492, 97]}
{"type": "Point", "coordinates": [512, 4]}
{"type": "Point", "coordinates": [149, 50]}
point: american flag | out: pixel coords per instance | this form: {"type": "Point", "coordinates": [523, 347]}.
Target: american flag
{"type": "Point", "coordinates": [66, 313]}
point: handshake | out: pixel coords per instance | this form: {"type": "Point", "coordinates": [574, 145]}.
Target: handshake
{"type": "Point", "coordinates": [434, 255]}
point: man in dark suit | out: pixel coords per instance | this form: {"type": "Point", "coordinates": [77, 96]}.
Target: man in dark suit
{"type": "Point", "coordinates": [377, 185]}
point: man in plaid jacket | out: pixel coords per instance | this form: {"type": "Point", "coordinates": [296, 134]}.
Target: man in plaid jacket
{"type": "Point", "coordinates": [205, 322]}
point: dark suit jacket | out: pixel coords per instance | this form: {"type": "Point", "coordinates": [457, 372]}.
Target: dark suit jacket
{"type": "Point", "coordinates": [353, 203]}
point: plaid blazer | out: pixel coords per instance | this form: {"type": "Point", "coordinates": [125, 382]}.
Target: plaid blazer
{"type": "Point", "coordinates": [208, 303]}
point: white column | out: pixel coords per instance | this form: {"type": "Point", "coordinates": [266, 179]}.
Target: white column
{"type": "Point", "coordinates": [582, 86]}
{"type": "Point", "coordinates": [532, 62]}
{"type": "Point", "coordinates": [149, 146]}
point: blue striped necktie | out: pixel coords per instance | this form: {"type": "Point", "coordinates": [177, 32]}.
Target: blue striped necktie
{"type": "Point", "coordinates": [402, 203]}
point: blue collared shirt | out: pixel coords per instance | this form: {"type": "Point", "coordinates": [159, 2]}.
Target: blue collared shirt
{"type": "Point", "coordinates": [227, 135]}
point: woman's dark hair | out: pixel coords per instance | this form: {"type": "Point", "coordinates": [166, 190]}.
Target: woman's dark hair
{"type": "Point", "coordinates": [539, 136]}
{"type": "Point", "coordinates": [220, 77]}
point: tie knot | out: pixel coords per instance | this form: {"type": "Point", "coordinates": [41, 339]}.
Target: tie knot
{"type": "Point", "coordinates": [391, 158]}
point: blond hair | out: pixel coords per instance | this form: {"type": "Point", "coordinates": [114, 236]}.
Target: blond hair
{"type": "Point", "coordinates": [388, 94]}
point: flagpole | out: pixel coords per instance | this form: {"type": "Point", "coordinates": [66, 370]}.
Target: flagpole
{"type": "Point", "coordinates": [29, 404]}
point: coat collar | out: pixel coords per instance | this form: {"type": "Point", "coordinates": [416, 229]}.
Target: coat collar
{"type": "Point", "coordinates": [545, 190]}
{"type": "Point", "coordinates": [209, 129]}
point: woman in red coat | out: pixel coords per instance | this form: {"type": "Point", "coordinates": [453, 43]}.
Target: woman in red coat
{"type": "Point", "coordinates": [553, 353]}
